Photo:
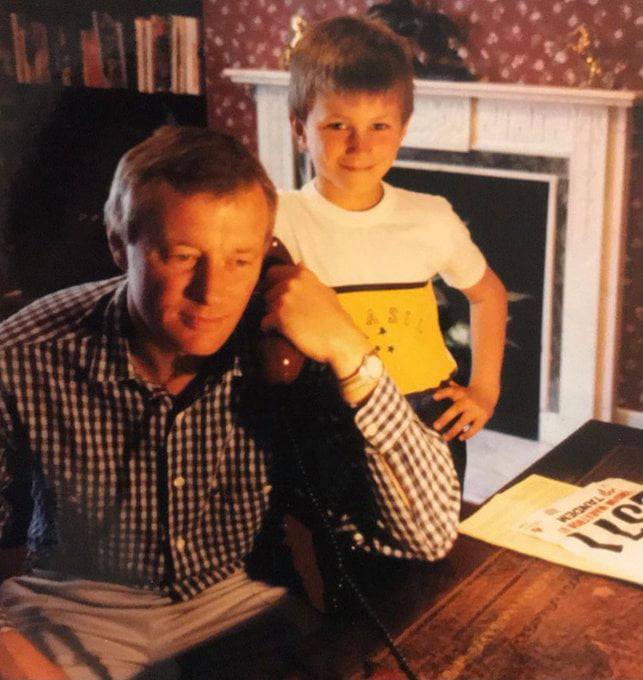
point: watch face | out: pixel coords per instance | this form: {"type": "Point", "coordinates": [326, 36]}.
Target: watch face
{"type": "Point", "coordinates": [372, 367]}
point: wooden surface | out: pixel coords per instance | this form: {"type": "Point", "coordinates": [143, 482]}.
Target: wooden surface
{"type": "Point", "coordinates": [483, 613]}
{"type": "Point", "coordinates": [521, 618]}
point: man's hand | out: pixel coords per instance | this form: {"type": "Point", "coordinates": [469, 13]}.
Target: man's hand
{"type": "Point", "coordinates": [309, 314]}
{"type": "Point", "coordinates": [472, 407]}
{"type": "Point", "coordinates": [20, 660]}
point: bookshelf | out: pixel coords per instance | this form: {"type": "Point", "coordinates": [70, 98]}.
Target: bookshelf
{"type": "Point", "coordinates": [141, 45]}
{"type": "Point", "coordinates": [60, 141]}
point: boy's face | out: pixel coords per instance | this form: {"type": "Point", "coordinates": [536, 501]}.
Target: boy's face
{"type": "Point", "coordinates": [352, 140]}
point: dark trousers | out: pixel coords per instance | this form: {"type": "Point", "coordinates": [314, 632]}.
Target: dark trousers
{"type": "Point", "coordinates": [428, 410]}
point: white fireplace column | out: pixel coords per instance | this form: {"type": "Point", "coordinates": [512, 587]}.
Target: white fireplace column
{"type": "Point", "coordinates": [591, 129]}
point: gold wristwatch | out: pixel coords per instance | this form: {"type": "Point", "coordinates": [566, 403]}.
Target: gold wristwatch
{"type": "Point", "coordinates": [362, 381]}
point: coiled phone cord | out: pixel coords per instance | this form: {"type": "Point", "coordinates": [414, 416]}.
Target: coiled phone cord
{"type": "Point", "coordinates": [342, 571]}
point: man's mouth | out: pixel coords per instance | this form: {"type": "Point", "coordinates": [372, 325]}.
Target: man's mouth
{"type": "Point", "coordinates": [200, 320]}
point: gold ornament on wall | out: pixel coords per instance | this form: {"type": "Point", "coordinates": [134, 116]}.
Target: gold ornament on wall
{"type": "Point", "coordinates": [297, 27]}
{"type": "Point", "coordinates": [584, 45]}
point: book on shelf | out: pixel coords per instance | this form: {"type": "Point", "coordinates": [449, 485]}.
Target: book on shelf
{"type": "Point", "coordinates": [178, 39]}
{"type": "Point", "coordinates": [7, 62]}
{"type": "Point", "coordinates": [111, 49]}
{"type": "Point", "coordinates": [93, 75]}
{"type": "Point", "coordinates": [167, 54]}
{"type": "Point", "coordinates": [141, 28]}
{"type": "Point", "coordinates": [160, 48]}
{"type": "Point", "coordinates": [63, 69]}
{"type": "Point", "coordinates": [31, 49]}
{"type": "Point", "coordinates": [191, 51]}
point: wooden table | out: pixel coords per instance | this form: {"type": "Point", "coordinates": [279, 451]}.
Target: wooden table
{"type": "Point", "coordinates": [504, 615]}
{"type": "Point", "coordinates": [483, 613]}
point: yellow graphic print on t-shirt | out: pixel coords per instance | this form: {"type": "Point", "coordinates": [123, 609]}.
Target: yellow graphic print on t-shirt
{"type": "Point", "coordinates": [401, 321]}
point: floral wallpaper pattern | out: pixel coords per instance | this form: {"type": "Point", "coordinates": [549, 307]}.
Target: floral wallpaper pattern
{"type": "Point", "coordinates": [526, 41]}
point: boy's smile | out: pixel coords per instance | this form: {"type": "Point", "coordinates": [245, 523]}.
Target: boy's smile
{"type": "Point", "coordinates": [353, 140]}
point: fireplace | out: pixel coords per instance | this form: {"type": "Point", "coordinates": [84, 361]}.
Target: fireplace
{"type": "Point", "coordinates": [570, 148]}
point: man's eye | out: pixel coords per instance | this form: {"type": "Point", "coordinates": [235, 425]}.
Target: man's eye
{"type": "Point", "coordinates": [335, 125]}
{"type": "Point", "coordinates": [381, 126]}
{"type": "Point", "coordinates": [183, 258]}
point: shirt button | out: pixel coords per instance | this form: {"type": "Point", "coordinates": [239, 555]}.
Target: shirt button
{"type": "Point", "coordinates": [179, 482]}
{"type": "Point", "coordinates": [180, 544]}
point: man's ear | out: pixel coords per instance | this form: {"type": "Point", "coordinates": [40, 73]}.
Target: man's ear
{"type": "Point", "coordinates": [118, 249]}
{"type": "Point", "coordinates": [299, 132]}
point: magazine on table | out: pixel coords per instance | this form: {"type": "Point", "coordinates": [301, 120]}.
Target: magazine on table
{"type": "Point", "coordinates": [602, 521]}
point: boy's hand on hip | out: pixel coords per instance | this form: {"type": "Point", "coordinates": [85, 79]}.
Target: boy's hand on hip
{"type": "Point", "coordinates": [471, 409]}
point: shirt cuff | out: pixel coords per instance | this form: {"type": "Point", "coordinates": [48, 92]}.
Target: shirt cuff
{"type": "Point", "coordinates": [384, 416]}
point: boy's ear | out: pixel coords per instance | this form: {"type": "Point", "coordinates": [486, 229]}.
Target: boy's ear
{"type": "Point", "coordinates": [118, 249]}
{"type": "Point", "coordinates": [299, 132]}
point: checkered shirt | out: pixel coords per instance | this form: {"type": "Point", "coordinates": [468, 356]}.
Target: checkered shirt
{"type": "Point", "coordinates": [109, 477]}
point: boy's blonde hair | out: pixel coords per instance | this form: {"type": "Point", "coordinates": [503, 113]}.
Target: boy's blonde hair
{"type": "Point", "coordinates": [349, 54]}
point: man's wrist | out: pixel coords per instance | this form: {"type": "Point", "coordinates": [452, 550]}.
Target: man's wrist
{"type": "Point", "coordinates": [347, 356]}
{"type": "Point", "coordinates": [356, 387]}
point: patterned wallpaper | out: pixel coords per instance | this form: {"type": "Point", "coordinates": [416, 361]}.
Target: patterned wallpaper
{"type": "Point", "coordinates": [507, 41]}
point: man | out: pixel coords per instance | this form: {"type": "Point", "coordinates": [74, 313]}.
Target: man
{"type": "Point", "coordinates": [159, 464]}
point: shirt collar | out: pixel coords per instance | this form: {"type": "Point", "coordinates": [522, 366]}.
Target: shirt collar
{"type": "Point", "coordinates": [109, 361]}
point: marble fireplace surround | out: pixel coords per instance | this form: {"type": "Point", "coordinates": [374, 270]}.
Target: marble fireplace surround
{"type": "Point", "coordinates": [590, 132]}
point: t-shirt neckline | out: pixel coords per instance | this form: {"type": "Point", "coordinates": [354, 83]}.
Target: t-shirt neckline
{"type": "Point", "coordinates": [351, 218]}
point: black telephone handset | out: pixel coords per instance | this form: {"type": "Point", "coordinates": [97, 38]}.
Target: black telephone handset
{"type": "Point", "coordinates": [279, 361]}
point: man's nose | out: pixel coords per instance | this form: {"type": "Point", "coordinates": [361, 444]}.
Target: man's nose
{"type": "Point", "coordinates": [209, 283]}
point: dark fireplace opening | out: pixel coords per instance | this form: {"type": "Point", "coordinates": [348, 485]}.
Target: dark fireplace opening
{"type": "Point", "coordinates": [507, 218]}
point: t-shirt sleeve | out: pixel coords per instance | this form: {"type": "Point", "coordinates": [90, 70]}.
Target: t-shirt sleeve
{"type": "Point", "coordinates": [463, 264]}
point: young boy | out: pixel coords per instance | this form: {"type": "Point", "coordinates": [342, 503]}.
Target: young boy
{"type": "Point", "coordinates": [351, 97]}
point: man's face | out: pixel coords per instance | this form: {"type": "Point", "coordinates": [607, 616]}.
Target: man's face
{"type": "Point", "coordinates": [190, 277]}
{"type": "Point", "coordinates": [353, 140]}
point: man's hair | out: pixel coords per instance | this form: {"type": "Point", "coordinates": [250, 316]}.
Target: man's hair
{"type": "Point", "coordinates": [349, 54]}
{"type": "Point", "coordinates": [190, 160]}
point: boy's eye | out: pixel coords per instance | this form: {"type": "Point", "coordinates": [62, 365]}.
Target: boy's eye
{"type": "Point", "coordinates": [336, 125]}
{"type": "Point", "coordinates": [381, 126]}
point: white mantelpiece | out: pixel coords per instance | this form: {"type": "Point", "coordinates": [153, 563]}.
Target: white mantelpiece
{"type": "Point", "coordinates": [591, 129]}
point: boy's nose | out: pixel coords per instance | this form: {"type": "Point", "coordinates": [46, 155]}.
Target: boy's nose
{"type": "Point", "coordinates": [359, 140]}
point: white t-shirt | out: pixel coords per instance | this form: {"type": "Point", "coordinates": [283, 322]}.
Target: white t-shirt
{"type": "Point", "coordinates": [380, 261]}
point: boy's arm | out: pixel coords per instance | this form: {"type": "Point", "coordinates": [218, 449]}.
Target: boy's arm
{"type": "Point", "coordinates": [474, 405]}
